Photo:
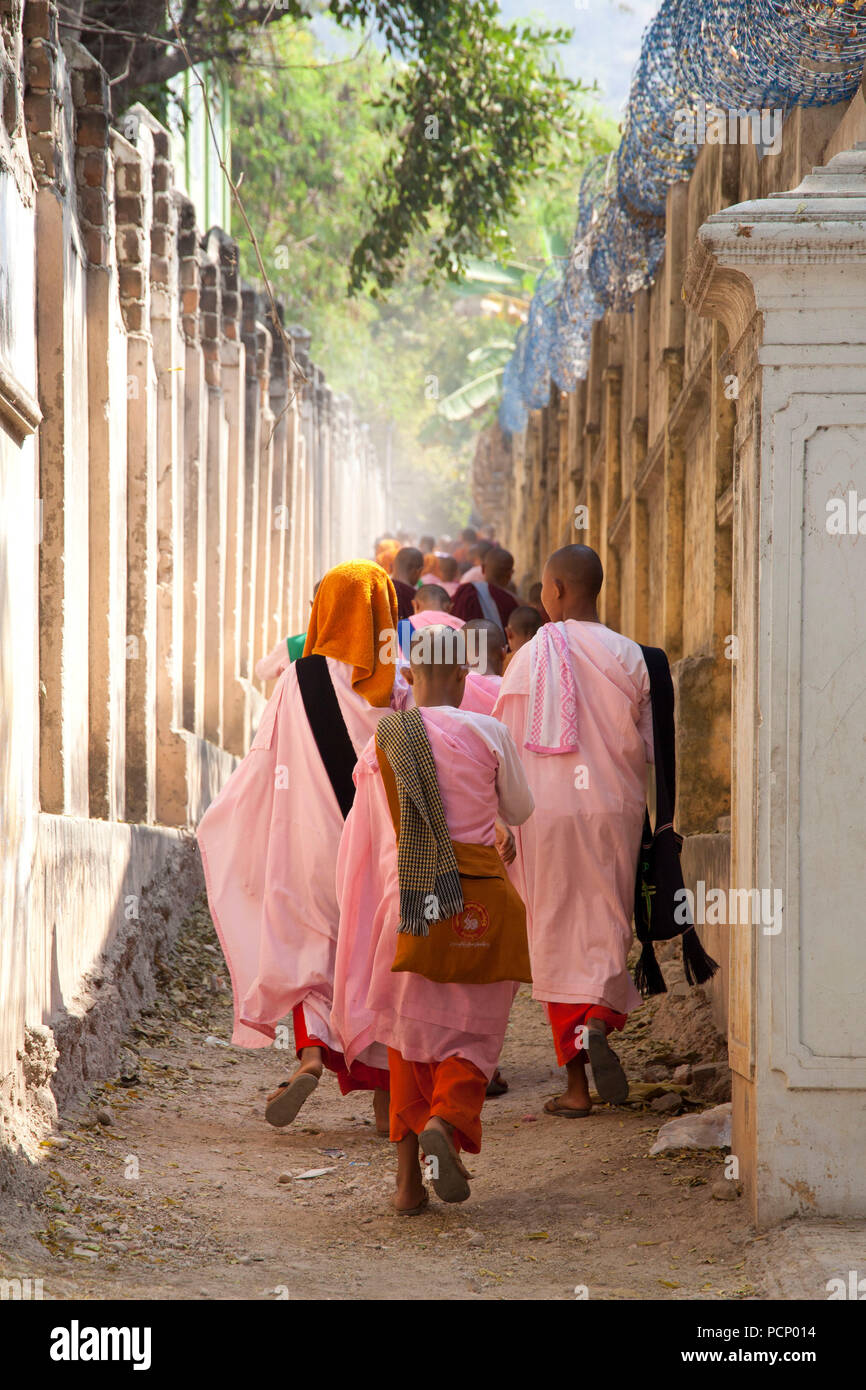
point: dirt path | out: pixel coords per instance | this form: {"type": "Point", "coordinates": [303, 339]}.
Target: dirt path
{"type": "Point", "coordinates": [165, 1184]}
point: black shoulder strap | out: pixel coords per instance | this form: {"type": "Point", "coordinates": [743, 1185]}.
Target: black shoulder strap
{"type": "Point", "coordinates": [328, 727]}
{"type": "Point", "coordinates": [664, 737]}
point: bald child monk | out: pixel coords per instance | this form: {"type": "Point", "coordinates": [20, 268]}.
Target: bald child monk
{"type": "Point", "coordinates": [576, 700]}
{"type": "Point", "coordinates": [485, 657]}
{"type": "Point", "coordinates": [443, 1040]}
{"type": "Point", "coordinates": [521, 627]}
{"type": "Point", "coordinates": [431, 598]}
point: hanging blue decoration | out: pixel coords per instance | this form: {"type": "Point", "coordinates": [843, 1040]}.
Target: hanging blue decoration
{"type": "Point", "coordinates": [705, 67]}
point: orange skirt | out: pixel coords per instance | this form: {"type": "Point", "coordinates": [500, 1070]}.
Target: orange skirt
{"type": "Point", "coordinates": [566, 1019]}
{"type": "Point", "coordinates": [453, 1089]}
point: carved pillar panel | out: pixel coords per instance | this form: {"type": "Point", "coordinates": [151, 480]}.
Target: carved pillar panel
{"type": "Point", "coordinates": [787, 276]}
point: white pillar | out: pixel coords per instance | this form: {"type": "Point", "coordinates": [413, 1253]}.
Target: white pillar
{"type": "Point", "coordinates": [787, 277]}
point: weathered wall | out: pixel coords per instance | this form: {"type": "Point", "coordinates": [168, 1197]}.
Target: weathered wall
{"type": "Point", "coordinates": [646, 445]}
{"type": "Point", "coordinates": [164, 460]}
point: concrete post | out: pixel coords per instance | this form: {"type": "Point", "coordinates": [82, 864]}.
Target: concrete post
{"type": "Point", "coordinates": [787, 277]}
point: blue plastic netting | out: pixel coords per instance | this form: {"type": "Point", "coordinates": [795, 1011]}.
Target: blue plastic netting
{"type": "Point", "coordinates": [697, 57]}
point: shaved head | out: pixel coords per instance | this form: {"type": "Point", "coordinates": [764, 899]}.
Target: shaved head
{"type": "Point", "coordinates": [572, 582]}
{"type": "Point", "coordinates": [437, 647]}
{"type": "Point", "coordinates": [408, 564]}
{"type": "Point", "coordinates": [579, 568]}
{"type": "Point", "coordinates": [430, 598]}
{"type": "Point", "coordinates": [487, 653]}
{"type": "Point", "coordinates": [497, 566]}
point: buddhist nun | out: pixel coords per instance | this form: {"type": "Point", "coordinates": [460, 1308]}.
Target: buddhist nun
{"type": "Point", "coordinates": [269, 840]}
{"type": "Point", "coordinates": [576, 699]}
{"type": "Point", "coordinates": [441, 1040]}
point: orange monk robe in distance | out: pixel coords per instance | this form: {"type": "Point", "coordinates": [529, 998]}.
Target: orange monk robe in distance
{"type": "Point", "coordinates": [577, 856]}
{"type": "Point", "coordinates": [269, 840]}
{"type": "Point", "coordinates": [443, 1040]}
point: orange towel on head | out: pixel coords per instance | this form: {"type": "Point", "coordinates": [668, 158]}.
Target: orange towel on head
{"type": "Point", "coordinates": [354, 606]}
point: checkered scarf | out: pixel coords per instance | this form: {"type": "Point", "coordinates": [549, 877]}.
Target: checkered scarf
{"type": "Point", "coordinates": [427, 872]}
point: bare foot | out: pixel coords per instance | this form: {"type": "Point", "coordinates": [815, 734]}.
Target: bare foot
{"type": "Point", "coordinates": [411, 1193]}
{"type": "Point", "coordinates": [381, 1104]}
{"type": "Point", "coordinates": [311, 1060]}
{"type": "Point", "coordinates": [576, 1096]}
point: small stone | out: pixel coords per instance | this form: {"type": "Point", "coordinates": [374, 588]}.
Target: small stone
{"type": "Point", "coordinates": [667, 1104]}
{"type": "Point", "coordinates": [285, 1178]}
{"type": "Point", "coordinates": [724, 1190]}
{"type": "Point", "coordinates": [682, 1074]}
{"type": "Point", "coordinates": [105, 1117]}
{"type": "Point", "coordinates": [655, 1071]}
{"type": "Point", "coordinates": [244, 1259]}
{"type": "Point", "coordinates": [476, 1239]}
{"type": "Point", "coordinates": [585, 1235]}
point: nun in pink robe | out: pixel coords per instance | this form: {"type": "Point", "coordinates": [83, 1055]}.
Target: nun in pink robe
{"type": "Point", "coordinates": [480, 778]}
{"type": "Point", "coordinates": [576, 701]}
{"type": "Point", "coordinates": [269, 840]}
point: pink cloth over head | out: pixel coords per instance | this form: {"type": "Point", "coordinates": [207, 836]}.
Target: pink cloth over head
{"type": "Point", "coordinates": [480, 777]}
{"type": "Point", "coordinates": [269, 843]}
{"type": "Point", "coordinates": [551, 716]}
{"type": "Point", "coordinates": [433, 618]}
{"type": "Point", "coordinates": [577, 856]}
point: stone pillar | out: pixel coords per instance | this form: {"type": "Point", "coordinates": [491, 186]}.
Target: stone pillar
{"type": "Point", "coordinates": [169, 361]}
{"type": "Point", "coordinates": [134, 171]}
{"type": "Point", "coordinates": [233, 371]}
{"type": "Point", "coordinates": [106, 379]}
{"type": "Point", "coordinates": [212, 504]}
{"type": "Point", "coordinates": [262, 514]}
{"type": "Point", "coordinates": [61, 330]}
{"type": "Point", "coordinates": [194, 445]}
{"type": "Point", "coordinates": [278, 520]}
{"type": "Point", "coordinates": [787, 277]}
{"type": "Point", "coordinates": [252, 437]}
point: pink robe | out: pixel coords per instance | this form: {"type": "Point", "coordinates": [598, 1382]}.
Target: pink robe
{"type": "Point", "coordinates": [480, 777]}
{"type": "Point", "coordinates": [269, 843]}
{"type": "Point", "coordinates": [577, 856]}
{"type": "Point", "coordinates": [480, 693]}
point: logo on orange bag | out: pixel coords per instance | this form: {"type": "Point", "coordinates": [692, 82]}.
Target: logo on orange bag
{"type": "Point", "coordinates": [473, 922]}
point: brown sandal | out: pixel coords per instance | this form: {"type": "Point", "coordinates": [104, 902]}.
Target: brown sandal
{"type": "Point", "coordinates": [284, 1103]}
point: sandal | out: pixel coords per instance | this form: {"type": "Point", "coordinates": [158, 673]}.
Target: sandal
{"type": "Point", "coordinates": [284, 1103]}
{"type": "Point", "coordinates": [415, 1211]}
{"type": "Point", "coordinates": [497, 1085]}
{"type": "Point", "coordinates": [566, 1112]}
{"type": "Point", "coordinates": [448, 1181]}
{"type": "Point", "coordinates": [610, 1080]}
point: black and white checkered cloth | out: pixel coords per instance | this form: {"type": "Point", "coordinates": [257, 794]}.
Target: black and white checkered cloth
{"type": "Point", "coordinates": [427, 872]}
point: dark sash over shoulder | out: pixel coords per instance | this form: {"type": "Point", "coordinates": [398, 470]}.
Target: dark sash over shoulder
{"type": "Point", "coordinates": [328, 727]}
